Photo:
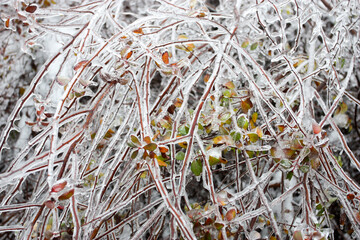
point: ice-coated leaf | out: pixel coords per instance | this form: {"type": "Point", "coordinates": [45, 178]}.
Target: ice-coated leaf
{"type": "Point", "coordinates": [135, 140]}
{"type": "Point", "coordinates": [58, 186]}
{"type": "Point", "coordinates": [243, 122]}
{"type": "Point", "coordinates": [253, 137]}
{"type": "Point", "coordinates": [196, 167]}
{"type": "Point", "coordinates": [150, 146]}
{"type": "Point", "coordinates": [63, 81]}
{"type": "Point", "coordinates": [230, 85]}
{"type": "Point", "coordinates": [213, 160]}
{"type": "Point", "coordinates": [67, 195]}
{"type": "Point", "coordinates": [245, 44]}
{"type": "Point", "coordinates": [134, 154]}
{"type": "Point", "coordinates": [253, 46]}
{"type": "Point", "coordinates": [80, 64]}
{"type": "Point", "coordinates": [180, 155]}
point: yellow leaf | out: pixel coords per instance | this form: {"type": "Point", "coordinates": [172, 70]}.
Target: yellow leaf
{"type": "Point", "coordinates": [259, 132]}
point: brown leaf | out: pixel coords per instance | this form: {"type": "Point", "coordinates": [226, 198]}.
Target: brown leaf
{"type": "Point", "coordinates": [31, 8]}
{"type": "Point", "coordinates": [67, 195]}
{"type": "Point", "coordinates": [150, 146]}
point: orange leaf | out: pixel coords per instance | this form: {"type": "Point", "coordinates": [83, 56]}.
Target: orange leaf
{"type": "Point", "coordinates": [259, 132]}
{"type": "Point", "coordinates": [165, 57]}
{"type": "Point", "coordinates": [138, 31]}
{"type": "Point", "coordinates": [246, 105]}
{"type": "Point", "coordinates": [161, 163]}
{"type": "Point", "coordinates": [178, 102]}
{"type": "Point", "coordinates": [206, 78]}
{"type": "Point", "coordinates": [147, 139]}
{"type": "Point", "coordinates": [129, 54]}
{"type": "Point", "coordinates": [7, 22]}
{"type": "Point", "coordinates": [163, 149]}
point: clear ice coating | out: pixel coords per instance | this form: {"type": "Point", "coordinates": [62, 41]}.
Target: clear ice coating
{"type": "Point", "coordinates": [196, 119]}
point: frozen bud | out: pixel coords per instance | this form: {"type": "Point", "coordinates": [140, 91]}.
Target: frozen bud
{"type": "Point", "coordinates": [316, 127]}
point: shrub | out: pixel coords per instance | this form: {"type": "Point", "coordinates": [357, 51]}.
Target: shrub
{"type": "Point", "coordinates": [183, 120]}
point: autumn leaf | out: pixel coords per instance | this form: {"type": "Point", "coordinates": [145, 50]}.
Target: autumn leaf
{"type": "Point", "coordinates": [165, 57]}
{"type": "Point", "coordinates": [161, 163]}
{"type": "Point", "coordinates": [230, 215]}
{"type": "Point", "coordinates": [147, 139]}
{"type": "Point", "coordinates": [163, 149]}
{"type": "Point", "coordinates": [246, 105]}
{"type": "Point", "coordinates": [253, 137]}
{"type": "Point", "coordinates": [80, 64]}
{"type": "Point", "coordinates": [31, 8]}
{"type": "Point", "coordinates": [67, 195]}
{"type": "Point", "coordinates": [230, 85]}
{"type": "Point", "coordinates": [58, 187]}
{"type": "Point", "coordinates": [245, 44]}
{"type": "Point", "coordinates": [134, 154]}
{"type": "Point", "coordinates": [150, 146]}
{"type": "Point", "coordinates": [213, 160]}
{"type": "Point", "coordinates": [129, 54]}
{"type": "Point", "coordinates": [135, 140]}
{"type": "Point", "coordinates": [224, 139]}
{"type": "Point", "coordinates": [138, 31]}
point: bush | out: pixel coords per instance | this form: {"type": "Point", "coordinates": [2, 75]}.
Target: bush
{"type": "Point", "coordinates": [181, 120]}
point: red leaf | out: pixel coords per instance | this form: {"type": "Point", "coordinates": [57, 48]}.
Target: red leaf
{"type": "Point", "coordinates": [59, 186]}
{"type": "Point", "coordinates": [50, 204]}
{"type": "Point", "coordinates": [80, 64]}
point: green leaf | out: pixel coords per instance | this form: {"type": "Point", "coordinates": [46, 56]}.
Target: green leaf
{"type": "Point", "coordinates": [196, 167]}
{"type": "Point", "coordinates": [304, 168]}
{"type": "Point", "coordinates": [253, 46]}
{"type": "Point", "coordinates": [289, 175]}
{"type": "Point", "coordinates": [286, 163]}
{"type": "Point", "coordinates": [150, 146]}
{"type": "Point", "coordinates": [218, 226]}
{"type": "Point", "coordinates": [253, 137]}
{"type": "Point", "coordinates": [135, 140]}
{"type": "Point", "coordinates": [213, 160]}
{"type": "Point", "coordinates": [134, 154]}
{"type": "Point", "coordinates": [224, 116]}
{"type": "Point", "coordinates": [183, 130]}
{"type": "Point", "coordinates": [236, 136]}
{"type": "Point", "coordinates": [243, 122]}
{"type": "Point", "coordinates": [180, 156]}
